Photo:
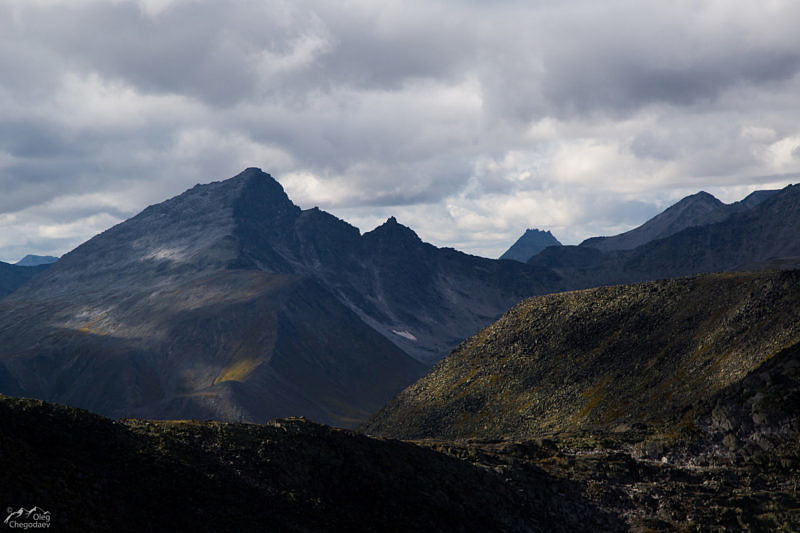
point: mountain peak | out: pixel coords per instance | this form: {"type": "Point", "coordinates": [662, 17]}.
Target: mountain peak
{"type": "Point", "coordinates": [697, 209]}
{"type": "Point", "coordinates": [392, 237]}
{"type": "Point", "coordinates": [394, 227]}
{"type": "Point", "coordinates": [701, 196]}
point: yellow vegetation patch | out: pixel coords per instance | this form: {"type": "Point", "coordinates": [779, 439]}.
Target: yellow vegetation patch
{"type": "Point", "coordinates": [465, 378]}
{"type": "Point", "coordinates": [594, 395]}
{"type": "Point", "coordinates": [237, 371]}
{"type": "Point", "coordinates": [86, 328]}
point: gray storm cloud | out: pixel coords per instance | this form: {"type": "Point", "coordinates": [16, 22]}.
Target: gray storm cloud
{"type": "Point", "coordinates": [470, 121]}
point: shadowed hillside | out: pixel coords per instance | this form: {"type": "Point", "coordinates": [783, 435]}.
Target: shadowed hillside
{"type": "Point", "coordinates": [672, 405]}
{"type": "Point", "coordinates": [14, 276]}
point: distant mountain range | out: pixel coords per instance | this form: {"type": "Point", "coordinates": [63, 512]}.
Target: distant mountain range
{"type": "Point", "coordinates": [699, 234]}
{"type": "Point", "coordinates": [230, 302]}
{"type": "Point", "coordinates": [696, 210]}
{"type": "Point", "coordinates": [639, 407]}
{"type": "Point", "coordinates": [529, 244]}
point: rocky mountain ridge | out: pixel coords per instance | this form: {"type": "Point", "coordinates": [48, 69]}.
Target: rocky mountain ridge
{"type": "Point", "coordinates": [698, 209]}
{"type": "Point", "coordinates": [158, 317]}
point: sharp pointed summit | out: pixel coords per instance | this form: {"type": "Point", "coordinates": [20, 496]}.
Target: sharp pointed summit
{"type": "Point", "coordinates": [392, 233]}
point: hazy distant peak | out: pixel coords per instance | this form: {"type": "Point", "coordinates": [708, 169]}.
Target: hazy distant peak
{"type": "Point", "coordinates": [34, 260]}
{"type": "Point", "coordinates": [529, 244]}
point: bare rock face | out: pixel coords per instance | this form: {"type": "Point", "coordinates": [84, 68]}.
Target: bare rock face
{"type": "Point", "coordinates": [230, 302]}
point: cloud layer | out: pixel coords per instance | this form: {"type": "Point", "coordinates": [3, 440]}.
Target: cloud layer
{"type": "Point", "coordinates": [469, 121]}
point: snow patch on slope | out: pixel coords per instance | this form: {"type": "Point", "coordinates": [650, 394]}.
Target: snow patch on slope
{"type": "Point", "coordinates": [403, 333]}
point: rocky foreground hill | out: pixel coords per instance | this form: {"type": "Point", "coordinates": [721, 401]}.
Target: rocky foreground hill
{"type": "Point", "coordinates": [292, 475]}
{"type": "Point", "coordinates": [672, 404]}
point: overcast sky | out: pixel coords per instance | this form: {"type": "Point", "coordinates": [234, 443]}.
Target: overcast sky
{"type": "Point", "coordinates": [467, 120]}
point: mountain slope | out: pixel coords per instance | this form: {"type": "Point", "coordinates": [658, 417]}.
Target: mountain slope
{"type": "Point", "coordinates": [672, 404]}
{"type": "Point", "coordinates": [529, 244]}
{"type": "Point", "coordinates": [230, 302]}
{"type": "Point", "coordinates": [422, 298]}
{"type": "Point", "coordinates": [603, 358]}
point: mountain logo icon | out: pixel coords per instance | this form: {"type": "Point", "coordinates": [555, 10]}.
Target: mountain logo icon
{"type": "Point", "coordinates": [21, 515]}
